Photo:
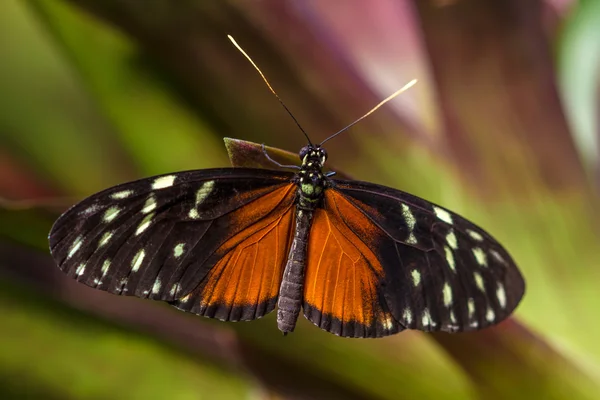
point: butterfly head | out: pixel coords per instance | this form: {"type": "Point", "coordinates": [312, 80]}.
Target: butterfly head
{"type": "Point", "coordinates": [313, 156]}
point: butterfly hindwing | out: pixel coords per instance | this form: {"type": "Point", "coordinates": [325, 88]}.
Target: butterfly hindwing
{"type": "Point", "coordinates": [342, 292]}
{"type": "Point", "coordinates": [437, 271]}
{"type": "Point", "coordinates": [162, 237]}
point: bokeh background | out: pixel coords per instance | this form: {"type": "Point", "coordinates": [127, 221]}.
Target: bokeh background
{"type": "Point", "coordinates": [502, 128]}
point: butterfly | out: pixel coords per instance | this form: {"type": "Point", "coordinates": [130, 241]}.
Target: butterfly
{"type": "Point", "coordinates": [358, 259]}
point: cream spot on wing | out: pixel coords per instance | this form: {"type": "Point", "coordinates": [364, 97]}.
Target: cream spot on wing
{"type": "Point", "coordinates": [451, 239]}
{"type": "Point", "coordinates": [178, 250]}
{"type": "Point", "coordinates": [497, 256]}
{"type": "Point", "coordinates": [501, 295]}
{"type": "Point", "coordinates": [452, 317]}
{"type": "Point", "coordinates": [490, 315]}
{"type": "Point", "coordinates": [105, 267]}
{"type": "Point", "coordinates": [75, 246]}
{"type": "Point", "coordinates": [156, 286]}
{"type": "Point", "coordinates": [144, 224]}
{"type": "Point", "coordinates": [480, 256]}
{"type": "Point", "coordinates": [416, 276]}
{"type": "Point", "coordinates": [204, 191]}
{"type": "Point", "coordinates": [426, 318]}
{"type": "Point", "coordinates": [388, 323]}
{"type": "Point", "coordinates": [193, 214]}
{"type": "Point", "coordinates": [137, 260]}
{"type": "Point", "coordinates": [105, 239]}
{"type": "Point", "coordinates": [90, 210]}
{"type": "Point", "coordinates": [163, 182]}
{"type": "Point", "coordinates": [412, 239]}
{"type": "Point", "coordinates": [479, 281]}
{"type": "Point", "coordinates": [201, 194]}
{"type": "Point", "coordinates": [471, 305]}
{"type": "Point", "coordinates": [150, 204]}
{"type": "Point", "coordinates": [442, 214]}
{"type": "Point", "coordinates": [186, 298]}
{"type": "Point", "coordinates": [475, 235]}
{"type": "Point", "coordinates": [174, 289]}
{"type": "Point", "coordinates": [111, 213]}
{"type": "Point", "coordinates": [409, 218]}
{"type": "Point", "coordinates": [447, 292]}
{"type": "Point", "coordinates": [450, 258]}
{"type": "Point", "coordinates": [407, 316]}
{"type": "Point", "coordinates": [80, 269]}
{"type": "Point", "coordinates": [121, 195]}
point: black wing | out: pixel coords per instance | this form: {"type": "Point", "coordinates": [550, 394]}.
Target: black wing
{"type": "Point", "coordinates": [161, 238]}
{"type": "Point", "coordinates": [440, 271]}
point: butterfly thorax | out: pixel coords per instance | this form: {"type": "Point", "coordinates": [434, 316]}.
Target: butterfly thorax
{"type": "Point", "coordinates": [311, 180]}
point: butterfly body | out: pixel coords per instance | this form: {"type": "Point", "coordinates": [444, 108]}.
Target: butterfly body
{"type": "Point", "coordinates": [357, 258]}
{"type": "Point", "coordinates": [311, 185]}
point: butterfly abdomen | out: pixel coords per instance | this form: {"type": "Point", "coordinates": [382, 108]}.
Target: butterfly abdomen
{"type": "Point", "coordinates": [291, 292]}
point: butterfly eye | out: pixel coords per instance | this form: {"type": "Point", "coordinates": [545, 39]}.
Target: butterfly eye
{"type": "Point", "coordinates": [304, 152]}
{"type": "Point", "coordinates": [323, 155]}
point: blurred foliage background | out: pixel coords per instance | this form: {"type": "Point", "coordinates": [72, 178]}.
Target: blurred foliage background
{"type": "Point", "coordinates": [502, 128]}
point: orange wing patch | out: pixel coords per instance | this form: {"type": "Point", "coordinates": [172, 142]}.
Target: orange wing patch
{"type": "Point", "coordinates": [342, 291]}
{"type": "Point", "coordinates": [244, 283]}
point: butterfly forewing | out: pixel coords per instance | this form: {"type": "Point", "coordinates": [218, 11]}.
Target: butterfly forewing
{"type": "Point", "coordinates": [441, 272]}
{"type": "Point", "coordinates": [159, 237]}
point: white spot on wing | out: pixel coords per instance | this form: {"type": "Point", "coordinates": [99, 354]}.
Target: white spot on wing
{"type": "Point", "coordinates": [201, 194]}
{"type": "Point", "coordinates": [111, 213]}
{"type": "Point", "coordinates": [412, 239]}
{"type": "Point", "coordinates": [426, 318]}
{"type": "Point", "coordinates": [204, 191]}
{"type": "Point", "coordinates": [163, 182]}
{"type": "Point", "coordinates": [105, 267]}
{"type": "Point", "coordinates": [80, 269]}
{"type": "Point", "coordinates": [186, 298]}
{"type": "Point", "coordinates": [471, 305]}
{"type": "Point", "coordinates": [104, 270]}
{"type": "Point", "coordinates": [174, 289]}
{"type": "Point", "coordinates": [442, 214]}
{"type": "Point", "coordinates": [450, 258]}
{"type": "Point", "coordinates": [490, 315]}
{"type": "Point", "coordinates": [149, 205]}
{"type": "Point", "coordinates": [137, 260]}
{"type": "Point", "coordinates": [121, 195]}
{"type": "Point", "coordinates": [452, 317]}
{"type": "Point", "coordinates": [407, 315]}
{"type": "Point", "coordinates": [144, 224]}
{"type": "Point", "coordinates": [416, 275]}
{"type": "Point", "coordinates": [104, 239]}
{"type": "Point", "coordinates": [501, 295]}
{"type": "Point", "coordinates": [90, 210]}
{"type": "Point", "coordinates": [479, 281]}
{"type": "Point", "coordinates": [408, 217]}
{"type": "Point", "coordinates": [480, 256]}
{"type": "Point", "coordinates": [475, 235]}
{"type": "Point", "coordinates": [388, 323]}
{"type": "Point", "coordinates": [156, 286]}
{"type": "Point", "coordinates": [497, 256]}
{"type": "Point", "coordinates": [178, 250]}
{"type": "Point", "coordinates": [447, 292]}
{"type": "Point", "coordinates": [411, 221]}
{"type": "Point", "coordinates": [451, 239]}
{"type": "Point", "coordinates": [75, 246]}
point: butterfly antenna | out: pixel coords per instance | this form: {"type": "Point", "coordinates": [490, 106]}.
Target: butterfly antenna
{"type": "Point", "coordinates": [396, 93]}
{"type": "Point", "coordinates": [269, 85]}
